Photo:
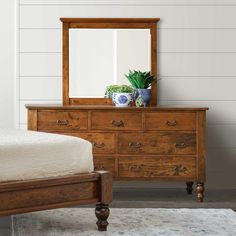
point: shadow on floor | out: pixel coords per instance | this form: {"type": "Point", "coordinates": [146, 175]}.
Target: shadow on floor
{"type": "Point", "coordinates": [156, 198]}
{"type": "Point", "coordinates": [173, 198]}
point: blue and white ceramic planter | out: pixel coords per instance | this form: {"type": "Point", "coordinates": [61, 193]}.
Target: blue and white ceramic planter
{"type": "Point", "coordinates": [122, 99]}
{"type": "Point", "coordinates": [145, 94]}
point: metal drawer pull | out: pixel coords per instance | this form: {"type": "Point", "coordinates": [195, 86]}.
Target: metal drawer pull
{"type": "Point", "coordinates": [118, 123]}
{"type": "Point", "coordinates": [180, 145]}
{"type": "Point", "coordinates": [171, 123]}
{"type": "Point", "coordinates": [99, 167]}
{"type": "Point", "coordinates": [135, 168]}
{"type": "Point", "coordinates": [135, 145]}
{"type": "Point", "coordinates": [99, 145]}
{"type": "Point", "coordinates": [62, 122]}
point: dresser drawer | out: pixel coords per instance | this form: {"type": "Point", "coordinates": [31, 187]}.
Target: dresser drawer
{"type": "Point", "coordinates": [62, 120]}
{"type": "Point", "coordinates": [104, 163]}
{"type": "Point", "coordinates": [116, 121]}
{"type": "Point", "coordinates": [157, 143]}
{"type": "Point", "coordinates": [102, 142]}
{"type": "Point", "coordinates": [170, 121]}
{"type": "Point", "coordinates": [165, 166]}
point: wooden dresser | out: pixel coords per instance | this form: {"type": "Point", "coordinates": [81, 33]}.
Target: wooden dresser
{"type": "Point", "coordinates": [153, 143]}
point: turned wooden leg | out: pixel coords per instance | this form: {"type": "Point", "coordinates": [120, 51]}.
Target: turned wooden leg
{"type": "Point", "coordinates": [102, 213]}
{"type": "Point", "coordinates": [189, 187]}
{"type": "Point", "coordinates": [200, 191]}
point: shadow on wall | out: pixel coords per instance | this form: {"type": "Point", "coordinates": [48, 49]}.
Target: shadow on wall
{"type": "Point", "coordinates": [221, 156]}
{"type": "Point", "coordinates": [220, 149]}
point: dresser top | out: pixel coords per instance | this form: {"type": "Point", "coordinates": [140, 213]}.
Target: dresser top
{"type": "Point", "coordinates": [111, 107]}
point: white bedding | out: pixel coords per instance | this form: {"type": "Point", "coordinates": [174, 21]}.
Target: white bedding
{"type": "Point", "coordinates": [28, 155]}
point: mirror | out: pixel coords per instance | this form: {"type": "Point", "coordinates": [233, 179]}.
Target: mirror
{"type": "Point", "coordinates": [97, 52]}
{"type": "Point", "coordinates": [101, 57]}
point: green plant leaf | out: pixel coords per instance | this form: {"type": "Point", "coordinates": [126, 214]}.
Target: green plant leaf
{"type": "Point", "coordinates": [139, 79]}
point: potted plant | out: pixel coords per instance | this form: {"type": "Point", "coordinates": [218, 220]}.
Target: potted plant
{"type": "Point", "coordinates": [141, 81]}
{"type": "Point", "coordinates": [122, 95]}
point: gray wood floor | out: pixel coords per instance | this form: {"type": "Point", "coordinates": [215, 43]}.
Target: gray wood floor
{"type": "Point", "coordinates": [157, 198]}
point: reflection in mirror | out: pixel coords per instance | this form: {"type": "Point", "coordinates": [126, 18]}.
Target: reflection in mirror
{"type": "Point", "coordinates": [101, 57]}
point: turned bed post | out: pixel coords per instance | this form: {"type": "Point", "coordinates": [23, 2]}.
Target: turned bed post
{"type": "Point", "coordinates": [102, 208]}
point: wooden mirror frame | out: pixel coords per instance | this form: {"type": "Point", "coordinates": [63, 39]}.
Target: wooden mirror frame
{"type": "Point", "coordinates": [106, 23]}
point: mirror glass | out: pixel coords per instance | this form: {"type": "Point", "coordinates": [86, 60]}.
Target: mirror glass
{"type": "Point", "coordinates": [101, 57]}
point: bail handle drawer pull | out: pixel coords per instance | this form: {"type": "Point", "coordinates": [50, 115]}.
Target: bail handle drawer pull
{"type": "Point", "coordinates": [62, 122]}
{"type": "Point", "coordinates": [171, 123]}
{"type": "Point", "coordinates": [135, 168]}
{"type": "Point", "coordinates": [135, 145]}
{"type": "Point", "coordinates": [99, 167]}
{"type": "Point", "coordinates": [99, 145]}
{"type": "Point", "coordinates": [180, 145]}
{"type": "Point", "coordinates": [118, 123]}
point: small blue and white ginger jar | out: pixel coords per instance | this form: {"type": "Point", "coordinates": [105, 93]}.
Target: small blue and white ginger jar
{"type": "Point", "coordinates": [146, 95]}
{"type": "Point", "coordinates": [122, 99]}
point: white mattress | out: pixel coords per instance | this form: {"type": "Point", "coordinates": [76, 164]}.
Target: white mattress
{"type": "Point", "coordinates": [28, 155]}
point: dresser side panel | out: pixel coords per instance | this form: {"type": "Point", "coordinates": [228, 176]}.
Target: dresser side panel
{"type": "Point", "coordinates": [201, 157]}
{"type": "Point", "coordinates": [33, 119]}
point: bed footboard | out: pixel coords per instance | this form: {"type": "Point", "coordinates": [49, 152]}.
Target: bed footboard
{"type": "Point", "coordinates": [56, 192]}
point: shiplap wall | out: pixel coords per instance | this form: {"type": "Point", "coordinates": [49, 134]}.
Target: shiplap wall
{"type": "Point", "coordinates": [7, 60]}
{"type": "Point", "coordinates": [197, 61]}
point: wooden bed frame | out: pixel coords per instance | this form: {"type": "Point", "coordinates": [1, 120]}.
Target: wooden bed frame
{"type": "Point", "coordinates": [49, 193]}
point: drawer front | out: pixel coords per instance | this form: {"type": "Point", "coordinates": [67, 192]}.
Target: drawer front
{"type": "Point", "coordinates": [165, 166]}
{"type": "Point", "coordinates": [116, 121]}
{"type": "Point", "coordinates": [102, 142]}
{"type": "Point", "coordinates": [62, 120]}
{"type": "Point", "coordinates": [170, 121]}
{"type": "Point", "coordinates": [104, 163]}
{"type": "Point", "coordinates": [157, 143]}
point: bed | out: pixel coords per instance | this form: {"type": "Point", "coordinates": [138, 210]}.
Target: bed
{"type": "Point", "coordinates": [40, 171]}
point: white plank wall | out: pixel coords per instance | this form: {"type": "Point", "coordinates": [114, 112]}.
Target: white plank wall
{"type": "Point", "coordinates": [197, 61]}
